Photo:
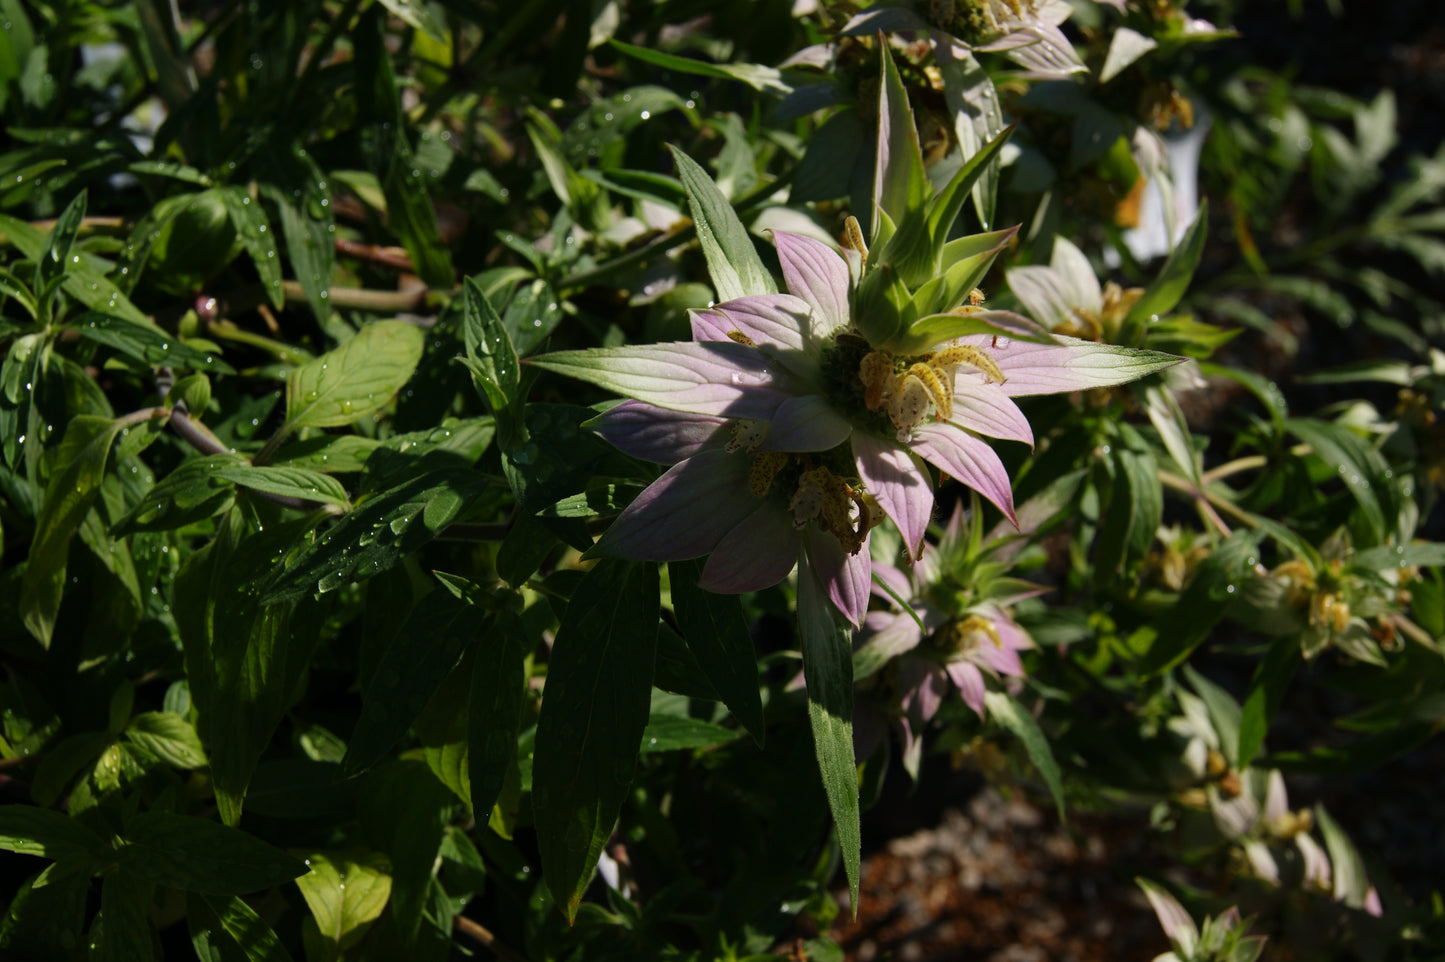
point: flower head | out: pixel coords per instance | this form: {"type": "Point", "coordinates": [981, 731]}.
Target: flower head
{"type": "Point", "coordinates": [802, 418]}
{"type": "Point", "coordinates": [956, 632]}
{"type": "Point", "coordinates": [1026, 31]}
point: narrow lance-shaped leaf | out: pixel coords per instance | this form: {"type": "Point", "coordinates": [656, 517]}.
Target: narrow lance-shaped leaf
{"type": "Point", "coordinates": [82, 278]}
{"type": "Point", "coordinates": [900, 185]}
{"type": "Point", "coordinates": [28, 830]}
{"type": "Point", "coordinates": [288, 482]}
{"type": "Point", "coordinates": [424, 650]}
{"type": "Point", "coordinates": [68, 497]}
{"type": "Point", "coordinates": [761, 78]}
{"type": "Point", "coordinates": [594, 710]}
{"type": "Point", "coordinates": [717, 635]}
{"type": "Point", "coordinates": [408, 208]}
{"type": "Point", "coordinates": [55, 261]}
{"type": "Point", "coordinates": [124, 924]}
{"type": "Point", "coordinates": [242, 659]}
{"type": "Point", "coordinates": [1351, 884]}
{"type": "Point", "coordinates": [494, 711]}
{"type": "Point", "coordinates": [1164, 293]}
{"type": "Point", "coordinates": [946, 206]}
{"type": "Point", "coordinates": [376, 534]}
{"type": "Point", "coordinates": [732, 260]}
{"type": "Point", "coordinates": [828, 670]}
{"type": "Point", "coordinates": [1266, 691]}
{"type": "Point", "coordinates": [1011, 715]}
{"type": "Point", "coordinates": [197, 855]}
{"type": "Point", "coordinates": [299, 190]}
{"type": "Point", "coordinates": [230, 927]}
{"type": "Point", "coordinates": [255, 234]}
{"type": "Point", "coordinates": [146, 343]}
{"type": "Point", "coordinates": [978, 119]}
{"type": "Point", "coordinates": [492, 361]}
{"type": "Point", "coordinates": [404, 811]}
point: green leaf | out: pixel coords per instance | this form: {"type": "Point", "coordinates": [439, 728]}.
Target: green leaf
{"type": "Point", "coordinates": [55, 262]}
{"type": "Point", "coordinates": [972, 101]}
{"type": "Point", "coordinates": [732, 260]}
{"type": "Point", "coordinates": [202, 856]}
{"type": "Point", "coordinates": [345, 894]}
{"type": "Point", "coordinates": [1003, 709]}
{"type": "Point", "coordinates": [828, 669]}
{"type": "Point", "coordinates": [1188, 622]}
{"type": "Point", "coordinates": [671, 733]}
{"type": "Point", "coordinates": [331, 453]}
{"type": "Point", "coordinates": [289, 482]}
{"type": "Point", "coordinates": [492, 361]}
{"type": "Point", "coordinates": [379, 532]}
{"type": "Point", "coordinates": [28, 830]}
{"type": "Point", "coordinates": [68, 497]}
{"type": "Point", "coordinates": [299, 190]}
{"type": "Point", "coordinates": [1224, 714]}
{"type": "Point", "coordinates": [404, 812]}
{"type": "Point", "coordinates": [1168, 288]}
{"type": "Point", "coordinates": [255, 233]}
{"type": "Point", "coordinates": [191, 492]}
{"type": "Point", "coordinates": [63, 761]}
{"type": "Point", "coordinates": [193, 391]}
{"type": "Point", "coordinates": [146, 343]}
{"type": "Point", "coordinates": [1385, 557]}
{"type": "Point", "coordinates": [599, 500]}
{"type": "Point", "coordinates": [677, 670]}
{"type": "Point", "coordinates": [419, 657]}
{"type": "Point", "coordinates": [944, 209]}
{"type": "Point", "coordinates": [242, 658]}
{"type": "Point", "coordinates": [85, 280]}
{"type": "Point", "coordinates": [494, 709]}
{"type": "Point", "coordinates": [1266, 691]}
{"type": "Point", "coordinates": [760, 78]}
{"type": "Point", "coordinates": [12, 287]}
{"type": "Point", "coordinates": [47, 914]}
{"type": "Point", "coordinates": [224, 920]}
{"type": "Point", "coordinates": [963, 264]}
{"type": "Point", "coordinates": [1135, 510]}
{"type": "Point", "coordinates": [1168, 419]}
{"type": "Point", "coordinates": [390, 157]}
{"type": "Point", "coordinates": [1352, 885]}
{"type": "Point", "coordinates": [175, 77]}
{"type": "Point", "coordinates": [415, 13]}
{"type": "Point", "coordinates": [1358, 465]}
{"type": "Point", "coordinates": [441, 728]}
{"type": "Point", "coordinates": [900, 184]}
{"type": "Point", "coordinates": [124, 925]}
{"type": "Point", "coordinates": [356, 379]}
{"type": "Point", "coordinates": [168, 737]}
{"type": "Point", "coordinates": [717, 634]}
{"type": "Point", "coordinates": [594, 710]}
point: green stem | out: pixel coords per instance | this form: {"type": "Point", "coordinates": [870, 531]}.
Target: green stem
{"type": "Point", "coordinates": [227, 331]}
{"type": "Point", "coordinates": [1214, 502]}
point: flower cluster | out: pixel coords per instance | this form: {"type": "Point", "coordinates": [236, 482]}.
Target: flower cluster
{"type": "Point", "coordinates": [955, 632]}
{"type": "Point", "coordinates": [793, 423]}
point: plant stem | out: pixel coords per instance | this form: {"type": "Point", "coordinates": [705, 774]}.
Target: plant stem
{"type": "Point", "coordinates": [1212, 501]}
{"type": "Point", "coordinates": [1249, 463]}
{"type": "Point", "coordinates": [477, 931]}
{"type": "Point", "coordinates": [228, 331]}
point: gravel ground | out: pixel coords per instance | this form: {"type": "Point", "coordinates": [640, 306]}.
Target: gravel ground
{"type": "Point", "coordinates": [1002, 881]}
